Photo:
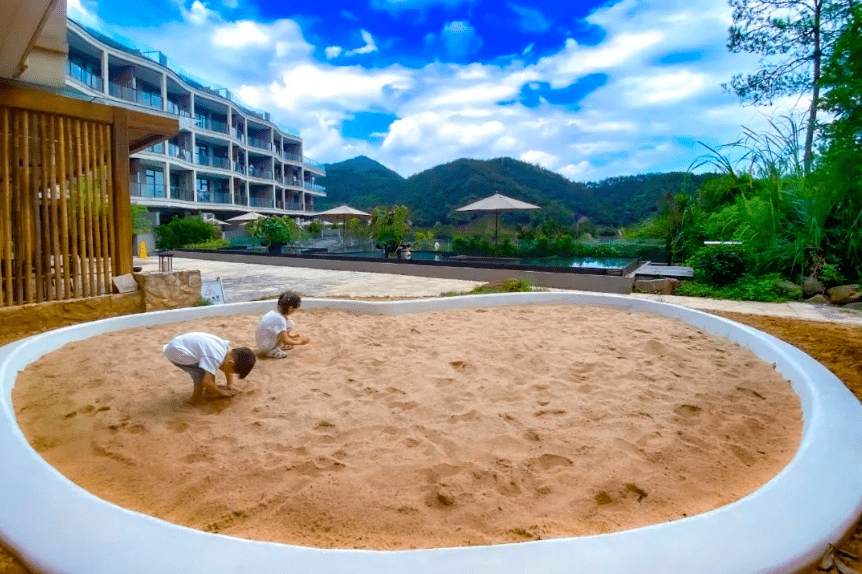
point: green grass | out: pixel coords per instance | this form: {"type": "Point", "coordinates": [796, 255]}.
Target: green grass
{"type": "Point", "coordinates": [507, 286]}
{"type": "Point", "coordinates": [747, 288]}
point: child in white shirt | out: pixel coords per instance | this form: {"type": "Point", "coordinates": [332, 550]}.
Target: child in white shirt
{"type": "Point", "coordinates": [273, 331]}
{"type": "Point", "coordinates": [202, 355]}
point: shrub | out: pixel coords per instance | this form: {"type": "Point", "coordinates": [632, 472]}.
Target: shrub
{"type": "Point", "coordinates": [719, 264]}
{"type": "Point", "coordinates": [274, 231]}
{"type": "Point", "coordinates": [315, 227]}
{"type": "Point", "coordinates": [212, 244]}
{"type": "Point", "coordinates": [766, 288]}
{"type": "Point", "coordinates": [185, 231]}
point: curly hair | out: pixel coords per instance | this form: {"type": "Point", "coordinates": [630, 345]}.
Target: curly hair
{"type": "Point", "coordinates": [287, 301]}
{"type": "Point", "coordinates": [243, 361]}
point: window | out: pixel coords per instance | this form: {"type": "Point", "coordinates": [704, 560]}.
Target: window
{"type": "Point", "coordinates": [203, 190]}
{"type": "Point", "coordinates": [154, 183]}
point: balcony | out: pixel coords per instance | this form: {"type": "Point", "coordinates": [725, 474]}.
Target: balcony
{"type": "Point", "coordinates": [77, 72]}
{"type": "Point", "coordinates": [158, 148]}
{"type": "Point", "coordinates": [138, 189]}
{"type": "Point", "coordinates": [312, 186]}
{"type": "Point", "coordinates": [219, 162]}
{"type": "Point", "coordinates": [177, 110]}
{"type": "Point", "coordinates": [180, 153]}
{"type": "Point", "coordinates": [214, 197]}
{"type": "Point", "coordinates": [262, 144]}
{"type": "Point", "coordinates": [260, 202]}
{"type": "Point", "coordinates": [182, 193]}
{"type": "Point", "coordinates": [294, 206]}
{"type": "Point", "coordinates": [211, 125]}
{"type": "Point", "coordinates": [237, 133]}
{"type": "Point", "coordinates": [137, 96]}
{"type": "Point", "coordinates": [239, 168]}
{"type": "Point", "coordinates": [259, 172]}
{"type": "Point", "coordinates": [292, 157]}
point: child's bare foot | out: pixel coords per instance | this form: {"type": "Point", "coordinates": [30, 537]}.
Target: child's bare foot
{"type": "Point", "coordinates": [276, 354]}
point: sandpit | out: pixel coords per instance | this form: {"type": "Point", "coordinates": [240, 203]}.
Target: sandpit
{"type": "Point", "coordinates": [453, 428]}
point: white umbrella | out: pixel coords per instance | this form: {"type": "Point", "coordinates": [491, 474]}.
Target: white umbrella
{"type": "Point", "coordinates": [246, 217]}
{"type": "Point", "coordinates": [497, 203]}
{"type": "Point", "coordinates": [344, 213]}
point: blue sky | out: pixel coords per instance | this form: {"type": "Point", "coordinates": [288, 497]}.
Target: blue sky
{"type": "Point", "coordinates": [586, 89]}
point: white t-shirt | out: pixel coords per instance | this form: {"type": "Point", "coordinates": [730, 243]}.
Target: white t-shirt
{"type": "Point", "coordinates": [269, 327]}
{"type": "Point", "coordinates": [201, 349]}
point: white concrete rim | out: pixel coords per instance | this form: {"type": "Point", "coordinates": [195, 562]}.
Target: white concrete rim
{"type": "Point", "coordinates": [57, 527]}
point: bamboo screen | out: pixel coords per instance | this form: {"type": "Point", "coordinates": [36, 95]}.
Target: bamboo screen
{"type": "Point", "coordinates": [57, 232]}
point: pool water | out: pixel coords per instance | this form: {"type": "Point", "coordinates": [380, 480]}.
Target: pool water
{"type": "Point", "coordinates": [580, 262]}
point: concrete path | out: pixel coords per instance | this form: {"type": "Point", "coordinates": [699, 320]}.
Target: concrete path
{"type": "Point", "coordinates": [249, 282]}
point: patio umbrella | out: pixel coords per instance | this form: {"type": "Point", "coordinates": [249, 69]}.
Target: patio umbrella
{"type": "Point", "coordinates": [246, 217]}
{"type": "Point", "coordinates": [344, 213]}
{"type": "Point", "coordinates": [497, 203]}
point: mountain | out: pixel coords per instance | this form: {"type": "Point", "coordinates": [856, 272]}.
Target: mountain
{"type": "Point", "coordinates": [434, 194]}
{"type": "Point", "coordinates": [361, 182]}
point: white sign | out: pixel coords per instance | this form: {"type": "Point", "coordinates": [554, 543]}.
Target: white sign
{"type": "Point", "coordinates": [213, 291]}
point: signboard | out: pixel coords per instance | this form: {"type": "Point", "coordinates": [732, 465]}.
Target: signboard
{"type": "Point", "coordinates": [213, 291]}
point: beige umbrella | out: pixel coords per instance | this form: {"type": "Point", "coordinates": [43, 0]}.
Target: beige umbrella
{"type": "Point", "coordinates": [246, 217]}
{"type": "Point", "coordinates": [497, 203]}
{"type": "Point", "coordinates": [344, 213]}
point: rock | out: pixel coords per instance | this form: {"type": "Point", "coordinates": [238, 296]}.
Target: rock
{"type": "Point", "coordinates": [170, 290]}
{"type": "Point", "coordinates": [811, 286]}
{"type": "Point", "coordinates": [666, 286]}
{"type": "Point", "coordinates": [790, 289]}
{"type": "Point", "coordinates": [844, 294]}
{"type": "Point", "coordinates": [857, 306]}
{"type": "Point", "coordinates": [818, 299]}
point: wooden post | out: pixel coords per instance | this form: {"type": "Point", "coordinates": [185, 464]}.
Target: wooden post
{"type": "Point", "coordinates": [55, 219]}
{"type": "Point", "coordinates": [64, 209]}
{"type": "Point", "coordinates": [44, 285]}
{"type": "Point", "coordinates": [6, 172]}
{"type": "Point", "coordinates": [104, 205]}
{"type": "Point", "coordinates": [112, 199]}
{"type": "Point", "coordinates": [80, 218]}
{"type": "Point", "coordinates": [27, 189]}
{"type": "Point", "coordinates": [122, 197]}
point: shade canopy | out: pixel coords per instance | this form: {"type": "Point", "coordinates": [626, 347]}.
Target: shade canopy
{"type": "Point", "coordinates": [246, 217]}
{"type": "Point", "coordinates": [343, 212]}
{"type": "Point", "coordinates": [497, 203]}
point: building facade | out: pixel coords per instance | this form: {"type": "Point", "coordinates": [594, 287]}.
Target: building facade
{"type": "Point", "coordinates": [228, 159]}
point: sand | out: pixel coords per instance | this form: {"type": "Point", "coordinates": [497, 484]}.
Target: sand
{"type": "Point", "coordinates": [438, 429]}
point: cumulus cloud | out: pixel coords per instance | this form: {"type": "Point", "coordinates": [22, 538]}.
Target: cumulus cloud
{"type": "Point", "coordinates": [643, 118]}
{"type": "Point", "coordinates": [367, 48]}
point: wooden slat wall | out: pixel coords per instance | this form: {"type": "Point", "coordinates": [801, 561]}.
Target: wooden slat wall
{"type": "Point", "coordinates": [59, 224]}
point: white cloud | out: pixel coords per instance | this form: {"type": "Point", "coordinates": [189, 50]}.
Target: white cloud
{"type": "Point", "coordinates": [643, 118]}
{"type": "Point", "coordinates": [83, 12]}
{"type": "Point", "coordinates": [531, 20]}
{"type": "Point", "coordinates": [367, 48]}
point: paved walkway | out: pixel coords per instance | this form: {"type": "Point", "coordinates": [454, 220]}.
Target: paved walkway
{"type": "Point", "coordinates": [249, 282]}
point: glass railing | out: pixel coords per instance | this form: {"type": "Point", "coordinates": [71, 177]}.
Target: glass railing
{"type": "Point", "coordinates": [138, 96]}
{"type": "Point", "coordinates": [279, 204]}
{"type": "Point", "coordinates": [293, 206]}
{"type": "Point", "coordinates": [182, 193]}
{"type": "Point", "coordinates": [260, 202]}
{"type": "Point", "coordinates": [219, 196]}
{"type": "Point", "coordinates": [312, 186]}
{"type": "Point", "coordinates": [144, 190]}
{"type": "Point", "coordinates": [242, 199]}
{"type": "Point", "coordinates": [177, 110]}
{"type": "Point", "coordinates": [211, 125]}
{"type": "Point", "coordinates": [157, 148]}
{"type": "Point", "coordinates": [237, 133]}
{"type": "Point", "coordinates": [292, 156]}
{"type": "Point", "coordinates": [83, 75]}
{"type": "Point", "coordinates": [239, 168]}
{"type": "Point", "coordinates": [258, 172]}
{"type": "Point", "coordinates": [219, 162]}
{"type": "Point", "coordinates": [179, 152]}
{"type": "Point", "coordinates": [258, 143]}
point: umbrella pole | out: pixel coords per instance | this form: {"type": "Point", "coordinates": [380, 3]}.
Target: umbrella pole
{"type": "Point", "coordinates": [496, 227]}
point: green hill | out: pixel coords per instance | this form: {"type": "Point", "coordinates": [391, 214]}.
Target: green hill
{"type": "Point", "coordinates": [434, 194]}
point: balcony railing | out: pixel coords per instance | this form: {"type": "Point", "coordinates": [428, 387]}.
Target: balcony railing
{"type": "Point", "coordinates": [258, 143]}
{"type": "Point", "coordinates": [260, 202]}
{"type": "Point", "coordinates": [182, 193]}
{"type": "Point", "coordinates": [219, 162]}
{"type": "Point", "coordinates": [138, 189]}
{"type": "Point", "coordinates": [177, 110]}
{"type": "Point", "coordinates": [242, 199]}
{"type": "Point", "coordinates": [239, 168]}
{"type": "Point", "coordinates": [292, 157]}
{"type": "Point", "coordinates": [259, 172]}
{"type": "Point", "coordinates": [312, 186]}
{"type": "Point", "coordinates": [138, 96]}
{"type": "Point", "coordinates": [314, 164]}
{"type": "Point", "coordinates": [76, 71]}
{"type": "Point", "coordinates": [237, 133]}
{"type": "Point", "coordinates": [178, 152]}
{"type": "Point", "coordinates": [156, 148]}
{"type": "Point", "coordinates": [214, 196]}
{"type": "Point", "coordinates": [294, 205]}
{"type": "Point", "coordinates": [211, 125]}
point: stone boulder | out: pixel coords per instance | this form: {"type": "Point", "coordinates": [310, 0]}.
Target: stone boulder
{"type": "Point", "coordinates": [857, 306]}
{"type": "Point", "coordinates": [818, 299]}
{"type": "Point", "coordinates": [811, 286]}
{"type": "Point", "coordinates": [844, 294]}
{"type": "Point", "coordinates": [170, 290]}
{"type": "Point", "coordinates": [790, 289]}
{"type": "Point", "coordinates": [666, 286]}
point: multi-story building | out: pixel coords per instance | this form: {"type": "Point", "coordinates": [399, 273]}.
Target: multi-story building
{"type": "Point", "coordinates": [228, 159]}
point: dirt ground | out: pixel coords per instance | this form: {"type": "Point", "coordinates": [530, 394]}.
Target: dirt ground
{"type": "Point", "coordinates": [838, 347]}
